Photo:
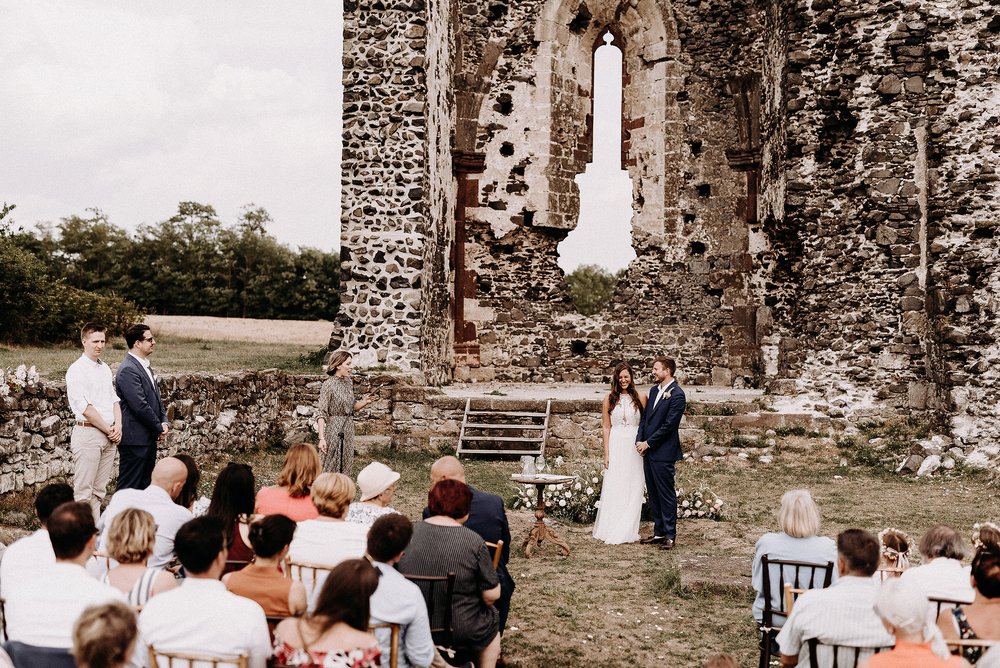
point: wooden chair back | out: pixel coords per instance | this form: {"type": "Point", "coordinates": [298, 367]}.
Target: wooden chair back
{"type": "Point", "coordinates": [940, 604]}
{"type": "Point", "coordinates": [233, 565]}
{"type": "Point", "coordinates": [889, 572]}
{"type": "Point", "coordinates": [497, 550]}
{"type": "Point", "coordinates": [394, 630]}
{"type": "Point", "coordinates": [800, 575]}
{"type": "Point", "coordinates": [822, 655]}
{"type": "Point", "coordinates": [439, 592]}
{"type": "Point", "coordinates": [162, 659]}
{"type": "Point", "coordinates": [308, 574]}
{"type": "Point", "coordinates": [3, 620]}
{"type": "Point", "coordinates": [791, 593]}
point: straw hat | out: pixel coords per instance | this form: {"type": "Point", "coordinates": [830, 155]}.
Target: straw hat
{"type": "Point", "coordinates": [375, 479]}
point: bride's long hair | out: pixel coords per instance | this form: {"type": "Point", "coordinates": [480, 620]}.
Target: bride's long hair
{"type": "Point", "coordinates": [616, 391]}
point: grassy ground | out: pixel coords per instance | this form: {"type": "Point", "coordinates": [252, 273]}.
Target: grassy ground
{"type": "Point", "coordinates": [175, 354]}
{"type": "Point", "coordinates": [633, 605]}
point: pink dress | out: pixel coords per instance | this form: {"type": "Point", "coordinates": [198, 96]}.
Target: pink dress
{"type": "Point", "coordinates": [362, 657]}
{"type": "Point", "coordinates": [276, 501]}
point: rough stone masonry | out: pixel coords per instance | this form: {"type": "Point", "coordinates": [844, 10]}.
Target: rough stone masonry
{"type": "Point", "coordinates": [815, 203]}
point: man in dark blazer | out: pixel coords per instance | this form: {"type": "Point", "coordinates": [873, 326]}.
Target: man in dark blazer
{"type": "Point", "coordinates": [487, 518]}
{"type": "Point", "coordinates": [144, 419]}
{"type": "Point", "coordinates": [659, 444]}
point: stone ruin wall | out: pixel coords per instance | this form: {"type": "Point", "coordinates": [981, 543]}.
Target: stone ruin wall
{"type": "Point", "coordinates": [869, 280]}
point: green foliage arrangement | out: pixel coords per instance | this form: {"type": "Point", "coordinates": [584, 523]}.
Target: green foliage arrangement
{"type": "Point", "coordinates": [591, 287]}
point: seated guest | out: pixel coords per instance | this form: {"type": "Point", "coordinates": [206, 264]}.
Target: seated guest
{"type": "Point", "coordinates": [169, 475]}
{"type": "Point", "coordinates": [263, 580]}
{"type": "Point", "coordinates": [328, 539]}
{"type": "Point", "coordinates": [981, 618]}
{"type": "Point", "coordinates": [26, 555]}
{"type": "Point", "coordinates": [200, 616]}
{"type": "Point", "coordinates": [232, 504]}
{"type": "Point", "coordinates": [42, 609]}
{"type": "Point", "coordinates": [336, 632]}
{"type": "Point", "coordinates": [488, 518]}
{"type": "Point", "coordinates": [843, 613]}
{"type": "Point", "coordinates": [189, 492]}
{"type": "Point", "coordinates": [397, 600]}
{"type": "Point", "coordinates": [131, 539]}
{"type": "Point", "coordinates": [441, 545]}
{"type": "Point", "coordinates": [104, 636]}
{"type": "Point", "coordinates": [942, 574]}
{"type": "Point", "coordinates": [919, 644]}
{"type": "Point", "coordinates": [895, 555]}
{"type": "Point", "coordinates": [798, 519]}
{"type": "Point", "coordinates": [378, 487]}
{"type": "Point", "coordinates": [290, 495]}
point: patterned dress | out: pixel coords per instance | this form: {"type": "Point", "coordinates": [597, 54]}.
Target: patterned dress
{"type": "Point", "coordinates": [363, 657]}
{"type": "Point", "coordinates": [336, 407]}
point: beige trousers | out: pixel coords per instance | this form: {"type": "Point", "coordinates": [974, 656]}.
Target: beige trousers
{"type": "Point", "coordinates": [93, 463]}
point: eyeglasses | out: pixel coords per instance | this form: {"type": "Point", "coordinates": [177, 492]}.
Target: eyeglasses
{"type": "Point", "coordinates": [149, 340]}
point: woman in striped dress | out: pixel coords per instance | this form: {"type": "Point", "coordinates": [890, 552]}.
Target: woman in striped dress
{"type": "Point", "coordinates": [130, 542]}
{"type": "Point", "coordinates": [335, 415]}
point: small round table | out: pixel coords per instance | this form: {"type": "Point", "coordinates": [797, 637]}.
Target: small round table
{"type": "Point", "coordinates": [540, 531]}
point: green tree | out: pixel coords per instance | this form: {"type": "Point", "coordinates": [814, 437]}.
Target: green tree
{"type": "Point", "coordinates": [94, 252]}
{"type": "Point", "coordinates": [591, 287]}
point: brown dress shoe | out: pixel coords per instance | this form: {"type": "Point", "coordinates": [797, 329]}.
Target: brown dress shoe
{"type": "Point", "coordinates": [667, 544]}
{"type": "Point", "coordinates": [652, 540]}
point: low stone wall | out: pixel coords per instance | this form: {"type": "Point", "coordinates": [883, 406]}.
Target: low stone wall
{"type": "Point", "coordinates": [208, 413]}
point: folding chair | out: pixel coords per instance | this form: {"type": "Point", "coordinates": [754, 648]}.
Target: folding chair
{"type": "Point", "coordinates": [799, 575]}
{"type": "Point", "coordinates": [188, 660]}
{"type": "Point", "coordinates": [497, 549]}
{"type": "Point", "coordinates": [394, 630]}
{"type": "Point", "coordinates": [839, 656]}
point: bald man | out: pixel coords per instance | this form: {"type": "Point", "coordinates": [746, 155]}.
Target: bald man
{"type": "Point", "coordinates": [168, 478]}
{"type": "Point", "coordinates": [487, 518]}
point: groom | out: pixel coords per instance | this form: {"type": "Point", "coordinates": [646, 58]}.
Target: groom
{"type": "Point", "coordinates": [660, 447]}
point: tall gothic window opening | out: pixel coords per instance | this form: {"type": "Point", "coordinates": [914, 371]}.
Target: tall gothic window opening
{"type": "Point", "coordinates": [601, 244]}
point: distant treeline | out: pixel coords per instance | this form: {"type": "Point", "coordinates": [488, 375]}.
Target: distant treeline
{"type": "Point", "coordinates": [188, 264]}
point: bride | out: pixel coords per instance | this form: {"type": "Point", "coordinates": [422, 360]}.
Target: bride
{"type": "Point", "coordinates": [621, 497]}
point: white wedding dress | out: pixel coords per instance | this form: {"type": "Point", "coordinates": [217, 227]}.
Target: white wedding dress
{"type": "Point", "coordinates": [621, 497]}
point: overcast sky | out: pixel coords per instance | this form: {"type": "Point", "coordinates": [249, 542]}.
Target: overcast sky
{"type": "Point", "coordinates": [132, 107]}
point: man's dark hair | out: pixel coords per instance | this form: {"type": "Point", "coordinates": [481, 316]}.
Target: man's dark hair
{"type": "Point", "coordinates": [389, 535]}
{"type": "Point", "coordinates": [860, 550]}
{"type": "Point", "coordinates": [198, 542]}
{"type": "Point", "coordinates": [51, 497]}
{"type": "Point", "coordinates": [135, 333]}
{"type": "Point", "coordinates": [70, 526]}
{"type": "Point", "coordinates": [666, 363]}
{"type": "Point", "coordinates": [90, 328]}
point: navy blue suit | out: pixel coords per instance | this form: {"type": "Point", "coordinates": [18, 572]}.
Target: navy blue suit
{"type": "Point", "coordinates": [143, 416]}
{"type": "Point", "coordinates": [489, 519]}
{"type": "Point", "coordinates": [659, 429]}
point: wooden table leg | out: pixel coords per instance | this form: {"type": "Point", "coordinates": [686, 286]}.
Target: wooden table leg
{"type": "Point", "coordinates": [540, 531]}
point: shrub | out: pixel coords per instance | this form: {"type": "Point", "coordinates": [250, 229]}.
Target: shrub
{"type": "Point", "coordinates": [64, 310]}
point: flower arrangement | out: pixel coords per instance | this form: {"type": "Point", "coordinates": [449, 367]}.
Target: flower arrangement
{"type": "Point", "coordinates": [702, 503]}
{"type": "Point", "coordinates": [17, 379]}
{"type": "Point", "coordinates": [575, 501]}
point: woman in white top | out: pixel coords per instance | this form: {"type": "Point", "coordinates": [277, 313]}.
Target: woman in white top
{"type": "Point", "coordinates": [329, 539]}
{"type": "Point", "coordinates": [798, 520]}
{"type": "Point", "coordinates": [131, 538]}
{"type": "Point", "coordinates": [942, 575]}
{"type": "Point", "coordinates": [621, 496]}
{"type": "Point", "coordinates": [378, 488]}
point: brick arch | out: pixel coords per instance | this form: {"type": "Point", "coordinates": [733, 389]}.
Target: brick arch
{"type": "Point", "coordinates": [566, 32]}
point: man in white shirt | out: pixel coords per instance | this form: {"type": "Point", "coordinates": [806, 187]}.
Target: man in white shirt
{"type": "Point", "coordinates": [26, 556]}
{"type": "Point", "coordinates": [42, 609]}
{"type": "Point", "coordinates": [397, 600]}
{"type": "Point", "coordinates": [168, 479]}
{"type": "Point", "coordinates": [201, 616]}
{"type": "Point", "coordinates": [97, 432]}
{"type": "Point", "coordinates": [843, 613]}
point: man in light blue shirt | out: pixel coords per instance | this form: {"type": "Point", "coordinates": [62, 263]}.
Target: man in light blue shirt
{"type": "Point", "coordinates": [397, 600]}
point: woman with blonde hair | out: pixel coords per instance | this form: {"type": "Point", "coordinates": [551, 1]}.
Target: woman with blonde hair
{"type": "Point", "coordinates": [104, 636]}
{"type": "Point", "coordinates": [131, 538]}
{"type": "Point", "coordinates": [335, 414]}
{"type": "Point", "coordinates": [328, 539]}
{"type": "Point", "coordinates": [290, 494]}
{"type": "Point", "coordinates": [798, 540]}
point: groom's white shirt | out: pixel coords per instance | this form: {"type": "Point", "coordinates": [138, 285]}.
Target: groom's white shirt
{"type": "Point", "coordinates": [663, 390]}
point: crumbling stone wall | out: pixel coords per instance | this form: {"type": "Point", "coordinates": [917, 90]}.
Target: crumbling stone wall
{"type": "Point", "coordinates": [845, 249]}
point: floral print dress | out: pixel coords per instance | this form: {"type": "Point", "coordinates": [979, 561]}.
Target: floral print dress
{"type": "Point", "coordinates": [361, 657]}
{"type": "Point", "coordinates": [336, 407]}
